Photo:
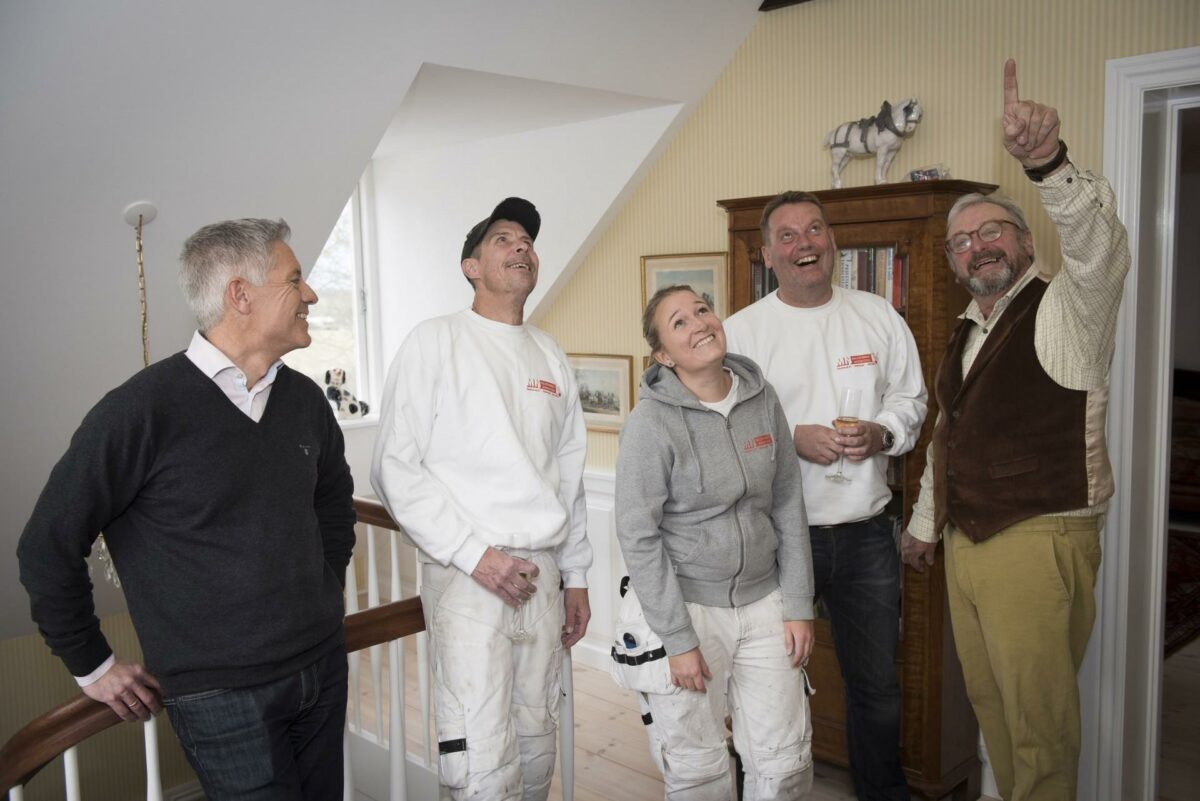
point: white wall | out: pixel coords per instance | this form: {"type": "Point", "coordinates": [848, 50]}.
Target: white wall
{"type": "Point", "coordinates": [425, 204]}
{"type": "Point", "coordinates": [212, 110]}
{"type": "Point", "coordinates": [225, 109]}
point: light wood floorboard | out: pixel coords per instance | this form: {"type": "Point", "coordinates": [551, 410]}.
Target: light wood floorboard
{"type": "Point", "coordinates": [612, 759]}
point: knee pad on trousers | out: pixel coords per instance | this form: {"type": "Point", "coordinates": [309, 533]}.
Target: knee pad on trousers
{"type": "Point", "coordinates": [686, 768]}
{"type": "Point", "coordinates": [537, 764]}
{"type": "Point", "coordinates": [797, 784]}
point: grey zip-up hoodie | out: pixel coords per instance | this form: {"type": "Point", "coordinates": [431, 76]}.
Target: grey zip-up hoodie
{"type": "Point", "coordinates": [710, 510]}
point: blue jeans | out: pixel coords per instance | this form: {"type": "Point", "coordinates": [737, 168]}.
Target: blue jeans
{"type": "Point", "coordinates": [857, 571]}
{"type": "Point", "coordinates": [274, 741]}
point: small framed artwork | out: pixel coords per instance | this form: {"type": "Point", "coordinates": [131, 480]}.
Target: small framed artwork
{"type": "Point", "coordinates": [605, 388]}
{"type": "Point", "coordinates": [707, 273]}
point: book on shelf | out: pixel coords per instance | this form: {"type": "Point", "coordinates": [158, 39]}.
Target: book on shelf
{"type": "Point", "coordinates": [880, 270]}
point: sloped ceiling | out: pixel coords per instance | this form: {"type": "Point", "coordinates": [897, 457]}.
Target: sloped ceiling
{"type": "Point", "coordinates": [262, 108]}
{"type": "Point", "coordinates": [446, 106]}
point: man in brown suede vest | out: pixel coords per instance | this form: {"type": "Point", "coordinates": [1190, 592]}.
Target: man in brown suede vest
{"type": "Point", "coordinates": [1017, 477]}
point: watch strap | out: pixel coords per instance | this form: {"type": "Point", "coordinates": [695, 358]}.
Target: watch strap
{"type": "Point", "coordinates": [1039, 173]}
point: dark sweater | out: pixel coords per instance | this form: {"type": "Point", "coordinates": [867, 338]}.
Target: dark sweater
{"type": "Point", "coordinates": [231, 537]}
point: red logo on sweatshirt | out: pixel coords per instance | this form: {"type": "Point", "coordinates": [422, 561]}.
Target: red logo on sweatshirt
{"type": "Point", "coordinates": [761, 441]}
{"type": "Point", "coordinates": [542, 385]}
{"type": "Point", "coordinates": [859, 360]}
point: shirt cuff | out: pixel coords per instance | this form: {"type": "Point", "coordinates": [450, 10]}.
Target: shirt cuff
{"type": "Point", "coordinates": [798, 607]}
{"type": "Point", "coordinates": [921, 528]}
{"type": "Point", "coordinates": [574, 579]}
{"type": "Point", "coordinates": [98, 673]}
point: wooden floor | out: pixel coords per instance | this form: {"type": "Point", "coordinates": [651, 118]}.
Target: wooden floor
{"type": "Point", "coordinates": [1179, 742]}
{"type": "Point", "coordinates": [612, 760]}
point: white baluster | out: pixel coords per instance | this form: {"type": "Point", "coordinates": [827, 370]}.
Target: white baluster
{"type": "Point", "coordinates": [423, 681]}
{"type": "Point", "coordinates": [375, 651]}
{"type": "Point", "coordinates": [16, 793]}
{"type": "Point", "coordinates": [397, 744]}
{"type": "Point", "coordinates": [566, 729]}
{"type": "Point", "coordinates": [347, 769]}
{"type": "Point", "coordinates": [71, 774]}
{"type": "Point", "coordinates": [351, 608]}
{"type": "Point", "coordinates": [153, 777]}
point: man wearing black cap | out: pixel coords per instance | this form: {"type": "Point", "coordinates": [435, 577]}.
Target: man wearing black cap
{"type": "Point", "coordinates": [480, 459]}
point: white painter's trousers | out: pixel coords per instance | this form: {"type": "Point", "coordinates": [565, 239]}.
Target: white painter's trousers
{"type": "Point", "coordinates": [496, 700]}
{"type": "Point", "coordinates": [766, 696]}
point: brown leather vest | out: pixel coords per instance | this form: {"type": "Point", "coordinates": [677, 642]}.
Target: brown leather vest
{"type": "Point", "coordinates": [1010, 442]}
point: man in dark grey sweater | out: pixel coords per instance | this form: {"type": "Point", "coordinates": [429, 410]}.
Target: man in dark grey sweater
{"type": "Point", "coordinates": [219, 481]}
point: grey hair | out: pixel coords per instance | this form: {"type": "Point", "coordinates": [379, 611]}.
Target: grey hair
{"type": "Point", "coordinates": [218, 253]}
{"type": "Point", "coordinates": [976, 198]}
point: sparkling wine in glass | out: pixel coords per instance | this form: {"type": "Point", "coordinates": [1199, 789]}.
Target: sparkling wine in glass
{"type": "Point", "coordinates": [847, 417]}
{"type": "Point", "coordinates": [521, 632]}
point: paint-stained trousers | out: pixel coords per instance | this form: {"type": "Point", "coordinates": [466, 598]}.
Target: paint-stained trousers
{"type": "Point", "coordinates": [496, 698]}
{"type": "Point", "coordinates": [754, 677]}
{"type": "Point", "coordinates": [1022, 604]}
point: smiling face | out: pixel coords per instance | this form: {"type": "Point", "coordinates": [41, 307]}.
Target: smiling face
{"type": "Point", "coordinates": [989, 269]}
{"type": "Point", "coordinates": [692, 336]}
{"type": "Point", "coordinates": [801, 250]}
{"type": "Point", "coordinates": [505, 262]}
{"type": "Point", "coordinates": [279, 309]}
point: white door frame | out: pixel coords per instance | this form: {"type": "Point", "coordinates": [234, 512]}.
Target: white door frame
{"type": "Point", "coordinates": [1119, 736]}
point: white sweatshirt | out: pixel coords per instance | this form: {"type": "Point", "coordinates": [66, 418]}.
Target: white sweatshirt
{"type": "Point", "coordinates": [809, 355]}
{"type": "Point", "coordinates": [482, 443]}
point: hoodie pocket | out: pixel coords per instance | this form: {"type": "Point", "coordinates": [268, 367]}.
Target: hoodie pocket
{"type": "Point", "coordinates": [715, 555]}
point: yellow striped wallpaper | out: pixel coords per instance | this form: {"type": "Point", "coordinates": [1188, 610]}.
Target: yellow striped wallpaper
{"type": "Point", "coordinates": [806, 68]}
{"type": "Point", "coordinates": [33, 681]}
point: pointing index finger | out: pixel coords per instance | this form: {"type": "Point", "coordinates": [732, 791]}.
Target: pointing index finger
{"type": "Point", "coordinates": [1010, 84]}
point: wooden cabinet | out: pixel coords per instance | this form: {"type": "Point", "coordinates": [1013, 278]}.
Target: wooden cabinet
{"type": "Point", "coordinates": [938, 730]}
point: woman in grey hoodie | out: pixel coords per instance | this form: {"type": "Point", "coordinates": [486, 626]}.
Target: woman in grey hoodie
{"type": "Point", "coordinates": [711, 522]}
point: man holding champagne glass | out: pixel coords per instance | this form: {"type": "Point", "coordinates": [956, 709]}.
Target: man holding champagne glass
{"type": "Point", "coordinates": [816, 344]}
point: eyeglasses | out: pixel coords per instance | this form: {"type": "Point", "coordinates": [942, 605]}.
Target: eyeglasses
{"type": "Point", "coordinates": [988, 232]}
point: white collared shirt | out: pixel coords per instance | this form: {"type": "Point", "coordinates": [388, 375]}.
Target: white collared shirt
{"type": "Point", "coordinates": [229, 377]}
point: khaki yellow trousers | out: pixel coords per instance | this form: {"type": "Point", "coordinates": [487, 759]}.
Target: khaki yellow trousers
{"type": "Point", "coordinates": [1022, 605]}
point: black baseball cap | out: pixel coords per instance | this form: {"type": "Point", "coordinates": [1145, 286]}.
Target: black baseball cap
{"type": "Point", "coordinates": [516, 209]}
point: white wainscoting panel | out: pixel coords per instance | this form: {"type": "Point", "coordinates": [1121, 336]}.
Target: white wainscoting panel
{"type": "Point", "coordinates": [607, 569]}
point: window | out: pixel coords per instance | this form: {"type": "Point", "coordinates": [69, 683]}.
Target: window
{"type": "Point", "coordinates": [338, 322]}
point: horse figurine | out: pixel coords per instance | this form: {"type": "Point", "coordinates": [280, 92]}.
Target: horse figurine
{"type": "Point", "coordinates": [882, 135]}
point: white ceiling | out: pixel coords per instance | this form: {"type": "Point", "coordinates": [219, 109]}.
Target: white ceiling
{"type": "Point", "coordinates": [446, 106]}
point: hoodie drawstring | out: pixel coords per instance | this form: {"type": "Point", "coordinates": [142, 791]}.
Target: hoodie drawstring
{"type": "Point", "coordinates": [691, 447]}
{"type": "Point", "coordinates": [770, 429]}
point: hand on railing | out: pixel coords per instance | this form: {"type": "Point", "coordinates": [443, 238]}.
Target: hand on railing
{"type": "Point", "coordinates": [129, 690]}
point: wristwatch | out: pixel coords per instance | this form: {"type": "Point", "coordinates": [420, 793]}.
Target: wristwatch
{"type": "Point", "coordinates": [889, 439]}
{"type": "Point", "coordinates": [1038, 174]}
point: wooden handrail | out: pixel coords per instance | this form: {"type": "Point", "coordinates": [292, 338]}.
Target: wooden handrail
{"type": "Point", "coordinates": [372, 513]}
{"type": "Point", "coordinates": [69, 724]}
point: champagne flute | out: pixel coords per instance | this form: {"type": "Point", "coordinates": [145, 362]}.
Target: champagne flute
{"type": "Point", "coordinates": [847, 417]}
{"type": "Point", "coordinates": [521, 632]}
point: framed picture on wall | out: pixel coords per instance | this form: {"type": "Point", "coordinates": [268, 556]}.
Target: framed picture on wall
{"type": "Point", "coordinates": [707, 273]}
{"type": "Point", "coordinates": [605, 388]}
